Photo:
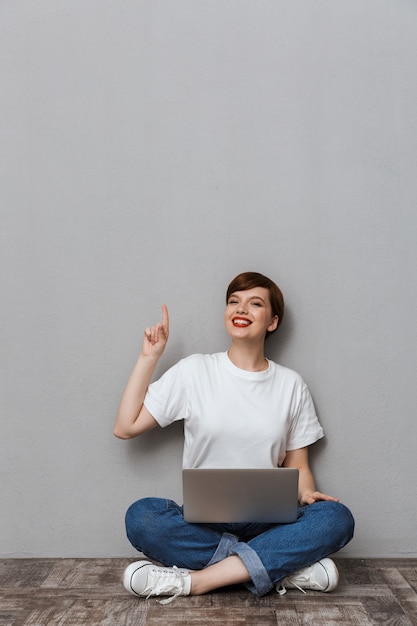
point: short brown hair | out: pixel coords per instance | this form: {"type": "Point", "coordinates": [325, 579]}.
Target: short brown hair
{"type": "Point", "coordinates": [249, 280]}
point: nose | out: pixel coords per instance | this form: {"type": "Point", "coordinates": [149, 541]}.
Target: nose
{"type": "Point", "coordinates": [242, 308]}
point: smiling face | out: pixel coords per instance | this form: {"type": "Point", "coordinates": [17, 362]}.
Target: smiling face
{"type": "Point", "coordinates": [249, 315]}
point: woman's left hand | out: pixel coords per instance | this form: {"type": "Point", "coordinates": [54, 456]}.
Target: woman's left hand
{"type": "Point", "coordinates": [316, 496]}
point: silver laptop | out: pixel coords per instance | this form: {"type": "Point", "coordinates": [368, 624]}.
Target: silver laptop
{"type": "Point", "coordinates": [240, 495]}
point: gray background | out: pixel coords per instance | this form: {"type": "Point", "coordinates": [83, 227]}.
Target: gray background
{"type": "Point", "coordinates": [151, 150]}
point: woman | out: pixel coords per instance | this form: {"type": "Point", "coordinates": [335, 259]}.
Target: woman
{"type": "Point", "coordinates": [239, 410]}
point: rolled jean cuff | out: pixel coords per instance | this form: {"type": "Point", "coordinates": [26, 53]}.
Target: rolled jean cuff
{"type": "Point", "coordinates": [227, 541]}
{"type": "Point", "coordinates": [260, 581]}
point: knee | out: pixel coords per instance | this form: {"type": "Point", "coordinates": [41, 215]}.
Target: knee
{"type": "Point", "coordinates": [342, 521]}
{"type": "Point", "coordinates": [138, 518]}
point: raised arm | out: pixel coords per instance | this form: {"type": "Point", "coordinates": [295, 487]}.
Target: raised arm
{"type": "Point", "coordinates": [133, 418]}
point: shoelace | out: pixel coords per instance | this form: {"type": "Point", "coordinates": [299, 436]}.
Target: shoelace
{"type": "Point", "coordinates": [282, 590]}
{"type": "Point", "coordinates": [162, 585]}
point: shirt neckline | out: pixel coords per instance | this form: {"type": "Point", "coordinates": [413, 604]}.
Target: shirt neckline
{"type": "Point", "coordinates": [248, 375]}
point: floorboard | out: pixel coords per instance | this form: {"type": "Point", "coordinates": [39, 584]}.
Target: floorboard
{"type": "Point", "coordinates": [75, 592]}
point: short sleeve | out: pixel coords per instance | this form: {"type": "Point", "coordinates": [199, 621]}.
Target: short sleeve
{"type": "Point", "coordinates": [167, 398]}
{"type": "Point", "coordinates": [305, 428]}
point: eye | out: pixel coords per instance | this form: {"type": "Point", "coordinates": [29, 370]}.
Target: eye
{"type": "Point", "coordinates": [257, 303]}
{"type": "Point", "coordinates": [232, 301]}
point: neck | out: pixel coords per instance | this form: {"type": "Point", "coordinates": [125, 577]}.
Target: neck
{"type": "Point", "coordinates": [248, 358]}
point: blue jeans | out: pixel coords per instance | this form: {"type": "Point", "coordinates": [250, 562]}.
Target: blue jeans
{"type": "Point", "coordinates": [270, 552]}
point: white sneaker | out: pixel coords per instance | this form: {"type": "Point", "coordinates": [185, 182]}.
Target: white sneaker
{"type": "Point", "coordinates": [143, 578]}
{"type": "Point", "coordinates": [321, 576]}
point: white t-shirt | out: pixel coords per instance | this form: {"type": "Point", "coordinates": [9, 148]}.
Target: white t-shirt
{"type": "Point", "coordinates": [232, 417]}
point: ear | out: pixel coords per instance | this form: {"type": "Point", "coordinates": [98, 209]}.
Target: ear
{"type": "Point", "coordinates": [273, 325]}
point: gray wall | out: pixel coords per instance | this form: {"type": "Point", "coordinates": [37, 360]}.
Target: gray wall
{"type": "Point", "coordinates": [153, 149]}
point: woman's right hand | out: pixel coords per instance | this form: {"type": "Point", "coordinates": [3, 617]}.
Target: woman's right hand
{"type": "Point", "coordinates": [133, 418]}
{"type": "Point", "coordinates": [156, 337]}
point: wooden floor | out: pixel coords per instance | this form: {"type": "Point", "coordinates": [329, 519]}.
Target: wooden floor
{"type": "Point", "coordinates": [74, 592]}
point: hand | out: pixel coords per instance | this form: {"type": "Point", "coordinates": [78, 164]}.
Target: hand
{"type": "Point", "coordinates": [316, 496]}
{"type": "Point", "coordinates": [156, 337]}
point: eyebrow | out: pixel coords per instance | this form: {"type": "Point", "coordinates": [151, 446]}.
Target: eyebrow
{"type": "Point", "coordinates": [234, 295]}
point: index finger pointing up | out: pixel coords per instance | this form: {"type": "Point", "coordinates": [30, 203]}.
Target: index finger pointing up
{"type": "Point", "coordinates": [165, 319]}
